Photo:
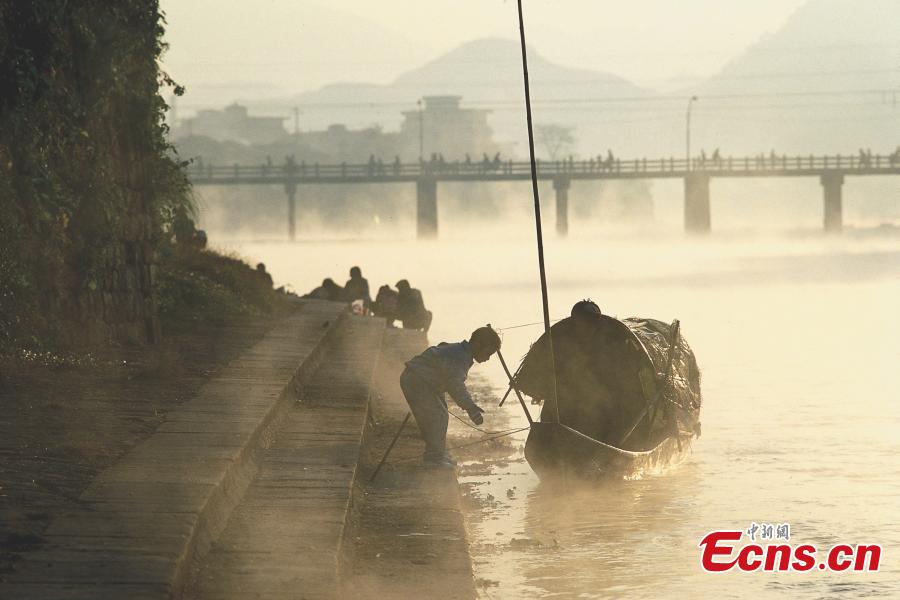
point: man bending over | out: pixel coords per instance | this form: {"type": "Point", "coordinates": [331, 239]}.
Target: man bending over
{"type": "Point", "coordinates": [443, 369]}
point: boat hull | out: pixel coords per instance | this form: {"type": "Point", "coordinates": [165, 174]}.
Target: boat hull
{"type": "Point", "coordinates": [556, 450]}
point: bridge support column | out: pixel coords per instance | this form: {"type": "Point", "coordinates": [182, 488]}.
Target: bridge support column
{"type": "Point", "coordinates": [426, 208]}
{"type": "Point", "coordinates": [696, 203]}
{"type": "Point", "coordinates": [561, 185]}
{"type": "Point", "coordinates": [832, 184]}
{"type": "Point", "coordinates": [291, 190]}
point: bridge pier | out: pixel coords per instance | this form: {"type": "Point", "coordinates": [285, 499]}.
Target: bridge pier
{"type": "Point", "coordinates": [291, 190]}
{"type": "Point", "coordinates": [832, 184]}
{"type": "Point", "coordinates": [426, 208]}
{"type": "Point", "coordinates": [696, 203]}
{"type": "Point", "coordinates": [561, 185]}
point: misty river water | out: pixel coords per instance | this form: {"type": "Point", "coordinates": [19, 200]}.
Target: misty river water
{"type": "Point", "coordinates": [798, 340]}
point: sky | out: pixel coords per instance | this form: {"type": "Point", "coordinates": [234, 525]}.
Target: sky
{"type": "Point", "coordinates": [291, 46]}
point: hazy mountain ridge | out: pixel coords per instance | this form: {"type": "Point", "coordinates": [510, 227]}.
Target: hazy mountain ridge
{"type": "Point", "coordinates": [273, 49]}
{"type": "Point", "coordinates": [775, 100]}
{"type": "Point", "coordinates": [857, 41]}
{"type": "Point", "coordinates": [826, 81]}
{"type": "Point", "coordinates": [492, 68]}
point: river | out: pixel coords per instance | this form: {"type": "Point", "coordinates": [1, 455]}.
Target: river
{"type": "Point", "coordinates": [798, 339]}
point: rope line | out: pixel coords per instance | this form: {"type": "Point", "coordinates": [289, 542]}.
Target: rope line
{"type": "Point", "coordinates": [528, 324]}
{"type": "Point", "coordinates": [488, 439]}
{"type": "Point", "coordinates": [467, 444]}
{"type": "Point", "coordinates": [467, 424]}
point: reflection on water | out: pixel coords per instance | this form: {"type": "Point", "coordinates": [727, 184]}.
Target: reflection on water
{"type": "Point", "coordinates": [614, 538]}
{"type": "Point", "coordinates": [798, 341]}
{"type": "Point", "coordinates": [601, 539]}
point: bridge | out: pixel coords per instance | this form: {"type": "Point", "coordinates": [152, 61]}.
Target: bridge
{"type": "Point", "coordinates": [696, 173]}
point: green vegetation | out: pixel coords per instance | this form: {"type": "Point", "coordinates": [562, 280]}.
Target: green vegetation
{"type": "Point", "coordinates": [200, 285]}
{"type": "Point", "coordinates": [87, 182]}
{"type": "Point", "coordinates": [89, 188]}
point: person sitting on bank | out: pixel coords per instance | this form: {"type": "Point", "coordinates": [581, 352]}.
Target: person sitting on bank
{"type": "Point", "coordinates": [183, 227]}
{"type": "Point", "coordinates": [385, 304]}
{"type": "Point", "coordinates": [357, 288]}
{"type": "Point", "coordinates": [411, 307]}
{"type": "Point", "coordinates": [443, 369]}
{"type": "Point", "coordinates": [329, 290]}
{"type": "Point", "coordinates": [263, 274]}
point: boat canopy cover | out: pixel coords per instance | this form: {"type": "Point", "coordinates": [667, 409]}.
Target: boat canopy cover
{"type": "Point", "coordinates": [605, 378]}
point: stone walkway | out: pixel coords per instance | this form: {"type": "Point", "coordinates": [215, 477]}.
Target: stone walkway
{"type": "Point", "coordinates": [284, 539]}
{"type": "Point", "coordinates": [142, 522]}
{"type": "Point", "coordinates": [258, 487]}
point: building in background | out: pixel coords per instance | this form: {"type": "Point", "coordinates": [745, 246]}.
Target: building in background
{"type": "Point", "coordinates": [442, 127]}
{"type": "Point", "coordinates": [233, 124]}
{"type": "Point", "coordinates": [338, 143]}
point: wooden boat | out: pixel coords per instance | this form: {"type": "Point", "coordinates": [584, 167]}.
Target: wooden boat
{"type": "Point", "coordinates": [557, 450]}
{"type": "Point", "coordinates": [647, 426]}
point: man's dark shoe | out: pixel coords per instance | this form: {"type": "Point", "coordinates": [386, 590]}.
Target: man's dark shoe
{"type": "Point", "coordinates": [443, 462]}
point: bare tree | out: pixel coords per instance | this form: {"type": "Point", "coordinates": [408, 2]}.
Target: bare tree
{"type": "Point", "coordinates": [557, 141]}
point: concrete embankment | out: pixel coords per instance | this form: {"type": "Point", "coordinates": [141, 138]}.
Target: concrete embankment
{"type": "Point", "coordinates": [284, 538]}
{"type": "Point", "coordinates": [312, 525]}
{"type": "Point", "coordinates": [406, 538]}
{"type": "Point", "coordinates": [258, 487]}
{"type": "Point", "coordinates": [142, 521]}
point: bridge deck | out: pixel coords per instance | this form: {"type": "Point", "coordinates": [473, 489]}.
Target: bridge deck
{"type": "Point", "coordinates": [664, 168]}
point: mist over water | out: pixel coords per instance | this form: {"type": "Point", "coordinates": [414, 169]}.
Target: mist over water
{"type": "Point", "coordinates": [798, 339]}
{"type": "Point", "coordinates": [797, 333]}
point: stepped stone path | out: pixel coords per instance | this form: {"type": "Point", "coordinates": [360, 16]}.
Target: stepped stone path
{"type": "Point", "coordinates": [142, 522]}
{"type": "Point", "coordinates": [284, 538]}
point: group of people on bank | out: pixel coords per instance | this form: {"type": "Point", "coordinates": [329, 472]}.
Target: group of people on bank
{"type": "Point", "coordinates": [405, 304]}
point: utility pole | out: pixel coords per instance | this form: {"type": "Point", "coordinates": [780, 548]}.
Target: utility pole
{"type": "Point", "coordinates": [296, 120]}
{"type": "Point", "coordinates": [688, 132]}
{"type": "Point", "coordinates": [421, 131]}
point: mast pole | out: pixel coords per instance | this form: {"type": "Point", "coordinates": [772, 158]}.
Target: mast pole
{"type": "Point", "coordinates": [537, 215]}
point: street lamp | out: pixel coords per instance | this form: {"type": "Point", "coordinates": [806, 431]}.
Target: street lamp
{"type": "Point", "coordinates": [688, 132]}
{"type": "Point", "coordinates": [421, 130]}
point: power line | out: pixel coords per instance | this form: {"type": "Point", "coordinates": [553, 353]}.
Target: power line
{"type": "Point", "coordinates": [512, 62]}
{"type": "Point", "coordinates": [573, 101]}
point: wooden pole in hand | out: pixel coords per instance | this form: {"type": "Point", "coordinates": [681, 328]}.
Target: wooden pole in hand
{"type": "Point", "coordinates": [391, 447]}
{"type": "Point", "coordinates": [512, 384]}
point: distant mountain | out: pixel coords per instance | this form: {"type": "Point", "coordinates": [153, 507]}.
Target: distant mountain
{"type": "Point", "coordinates": [491, 70]}
{"type": "Point", "coordinates": [827, 80]}
{"type": "Point", "coordinates": [824, 45]}
{"type": "Point", "coordinates": [487, 73]}
{"type": "Point", "coordinates": [269, 49]}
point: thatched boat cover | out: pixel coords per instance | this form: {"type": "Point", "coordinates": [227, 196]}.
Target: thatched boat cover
{"type": "Point", "coordinates": [605, 380]}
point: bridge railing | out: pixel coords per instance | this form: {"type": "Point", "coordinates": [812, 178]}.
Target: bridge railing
{"type": "Point", "coordinates": [546, 169]}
